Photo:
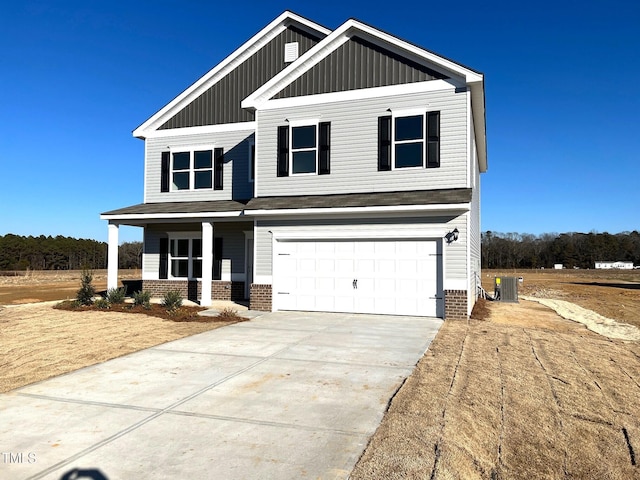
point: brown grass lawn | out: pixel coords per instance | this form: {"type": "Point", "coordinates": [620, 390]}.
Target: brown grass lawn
{"type": "Point", "coordinates": [517, 392]}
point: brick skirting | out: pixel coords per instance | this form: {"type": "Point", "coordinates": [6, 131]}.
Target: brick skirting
{"type": "Point", "coordinates": [192, 289]}
{"type": "Point", "coordinates": [455, 305]}
{"type": "Point", "coordinates": [260, 297]}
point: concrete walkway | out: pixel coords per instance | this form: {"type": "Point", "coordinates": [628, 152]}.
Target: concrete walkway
{"type": "Point", "coordinates": [285, 395]}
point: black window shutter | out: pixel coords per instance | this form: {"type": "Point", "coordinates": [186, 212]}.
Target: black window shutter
{"type": "Point", "coordinates": [218, 162]}
{"type": "Point", "coordinates": [164, 172]}
{"type": "Point", "coordinates": [433, 139]}
{"type": "Point", "coordinates": [384, 143]}
{"type": "Point", "coordinates": [164, 259]}
{"type": "Point", "coordinates": [283, 151]}
{"type": "Point", "coordinates": [324, 164]}
{"type": "Point", "coordinates": [217, 258]}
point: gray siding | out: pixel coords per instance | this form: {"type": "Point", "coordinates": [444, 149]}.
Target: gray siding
{"type": "Point", "coordinates": [354, 146]}
{"type": "Point", "coordinates": [236, 166]}
{"type": "Point", "coordinates": [455, 263]}
{"type": "Point", "coordinates": [221, 103]}
{"type": "Point", "coordinates": [358, 64]}
{"type": "Point", "coordinates": [475, 239]}
{"type": "Point", "coordinates": [232, 244]}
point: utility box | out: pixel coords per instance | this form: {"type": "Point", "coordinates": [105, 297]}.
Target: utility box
{"type": "Point", "coordinates": [506, 289]}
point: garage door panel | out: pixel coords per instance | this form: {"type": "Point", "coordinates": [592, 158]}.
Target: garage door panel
{"type": "Point", "coordinates": [393, 276]}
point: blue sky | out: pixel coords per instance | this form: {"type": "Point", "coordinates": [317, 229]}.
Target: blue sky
{"type": "Point", "coordinates": [77, 77]}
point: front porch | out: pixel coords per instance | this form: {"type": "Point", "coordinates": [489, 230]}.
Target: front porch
{"type": "Point", "coordinates": [205, 261]}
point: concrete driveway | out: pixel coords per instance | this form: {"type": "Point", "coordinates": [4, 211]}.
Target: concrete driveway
{"type": "Point", "coordinates": [285, 395]}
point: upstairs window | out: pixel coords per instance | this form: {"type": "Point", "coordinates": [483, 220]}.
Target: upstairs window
{"type": "Point", "coordinates": [304, 152]}
{"type": "Point", "coordinates": [409, 141]}
{"type": "Point", "coordinates": [197, 169]}
{"type": "Point", "coordinates": [303, 149]}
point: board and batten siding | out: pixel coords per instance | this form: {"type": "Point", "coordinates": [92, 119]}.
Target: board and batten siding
{"type": "Point", "coordinates": [455, 263]}
{"type": "Point", "coordinates": [235, 171]}
{"type": "Point", "coordinates": [233, 244]}
{"type": "Point", "coordinates": [354, 146]}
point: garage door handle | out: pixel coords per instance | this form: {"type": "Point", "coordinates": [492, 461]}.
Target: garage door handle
{"type": "Point", "coordinates": [355, 283]}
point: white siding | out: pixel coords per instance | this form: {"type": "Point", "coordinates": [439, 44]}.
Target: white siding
{"type": "Point", "coordinates": [455, 253]}
{"type": "Point", "coordinates": [236, 164]}
{"type": "Point", "coordinates": [354, 146]}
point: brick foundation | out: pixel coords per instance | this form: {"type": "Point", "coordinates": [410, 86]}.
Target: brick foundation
{"type": "Point", "coordinates": [260, 297]}
{"type": "Point", "coordinates": [455, 305]}
{"type": "Point", "coordinates": [192, 289]}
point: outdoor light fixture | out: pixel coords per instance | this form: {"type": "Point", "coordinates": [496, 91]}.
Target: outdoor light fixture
{"type": "Point", "coordinates": [452, 236]}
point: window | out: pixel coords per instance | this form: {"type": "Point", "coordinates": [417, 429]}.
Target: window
{"type": "Point", "coordinates": [185, 258]}
{"type": "Point", "coordinates": [409, 141]}
{"type": "Point", "coordinates": [181, 257]}
{"type": "Point", "coordinates": [304, 154]}
{"type": "Point", "coordinates": [196, 169]}
{"type": "Point", "coordinates": [303, 149]}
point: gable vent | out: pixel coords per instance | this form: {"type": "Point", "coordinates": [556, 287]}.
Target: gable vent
{"type": "Point", "coordinates": [290, 52]}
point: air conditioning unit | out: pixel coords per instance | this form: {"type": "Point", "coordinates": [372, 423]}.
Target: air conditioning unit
{"type": "Point", "coordinates": [506, 289]}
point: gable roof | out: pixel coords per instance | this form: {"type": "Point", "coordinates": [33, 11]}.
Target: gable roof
{"type": "Point", "coordinates": [413, 53]}
{"type": "Point", "coordinates": [287, 20]}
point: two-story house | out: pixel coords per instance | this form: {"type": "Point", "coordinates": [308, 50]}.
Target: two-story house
{"type": "Point", "coordinates": [317, 170]}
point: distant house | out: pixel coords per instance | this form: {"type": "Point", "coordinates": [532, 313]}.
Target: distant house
{"type": "Point", "coordinates": [558, 266]}
{"type": "Point", "coordinates": [616, 265]}
{"type": "Point", "coordinates": [317, 170]}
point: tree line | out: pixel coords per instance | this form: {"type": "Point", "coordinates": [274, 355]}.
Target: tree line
{"type": "Point", "coordinates": [581, 250]}
{"type": "Point", "coordinates": [62, 253]}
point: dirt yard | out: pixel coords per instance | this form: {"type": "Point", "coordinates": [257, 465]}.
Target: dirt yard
{"type": "Point", "coordinates": [520, 393]}
{"type": "Point", "coordinates": [42, 286]}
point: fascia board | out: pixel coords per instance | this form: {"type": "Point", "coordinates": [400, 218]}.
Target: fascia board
{"type": "Point", "coordinates": [221, 128]}
{"type": "Point", "coordinates": [479, 121]}
{"type": "Point", "coordinates": [157, 216]}
{"type": "Point", "coordinates": [225, 66]}
{"type": "Point", "coordinates": [337, 38]}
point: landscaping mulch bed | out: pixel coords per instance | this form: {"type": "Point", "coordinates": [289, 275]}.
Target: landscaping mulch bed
{"type": "Point", "coordinates": [182, 314]}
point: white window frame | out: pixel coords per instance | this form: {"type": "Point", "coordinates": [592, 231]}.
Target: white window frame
{"type": "Point", "coordinates": [174, 237]}
{"type": "Point", "coordinates": [408, 113]}
{"type": "Point", "coordinates": [303, 123]}
{"type": "Point", "coordinates": [192, 170]}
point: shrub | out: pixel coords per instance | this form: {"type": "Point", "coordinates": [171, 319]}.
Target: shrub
{"type": "Point", "coordinates": [143, 299]}
{"type": "Point", "coordinates": [116, 295]}
{"type": "Point", "coordinates": [172, 300]}
{"type": "Point", "coordinates": [102, 303]}
{"type": "Point", "coordinates": [229, 314]}
{"type": "Point", "coordinates": [85, 295]}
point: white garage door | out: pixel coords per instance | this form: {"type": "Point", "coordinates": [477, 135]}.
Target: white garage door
{"type": "Point", "coordinates": [400, 277]}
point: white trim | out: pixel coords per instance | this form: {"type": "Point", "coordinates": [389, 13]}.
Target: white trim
{"type": "Point", "coordinates": [426, 232]}
{"type": "Point", "coordinates": [151, 216]}
{"type": "Point", "coordinates": [207, 263]}
{"type": "Point", "coordinates": [247, 49]}
{"type": "Point", "coordinates": [298, 124]}
{"type": "Point", "coordinates": [362, 94]}
{"type": "Point", "coordinates": [192, 167]}
{"type": "Point", "coordinates": [263, 279]}
{"type": "Point", "coordinates": [189, 236]}
{"type": "Point", "coordinates": [455, 283]}
{"type": "Point", "coordinates": [222, 128]}
{"type": "Point", "coordinates": [462, 207]}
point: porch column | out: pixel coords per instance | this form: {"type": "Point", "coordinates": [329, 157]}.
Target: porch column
{"type": "Point", "coordinates": [112, 259]}
{"type": "Point", "coordinates": [207, 263]}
